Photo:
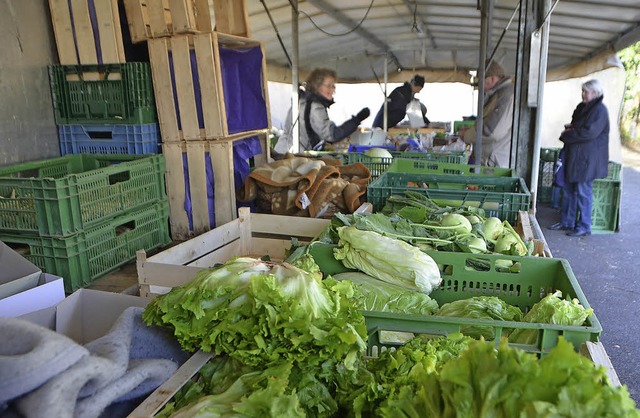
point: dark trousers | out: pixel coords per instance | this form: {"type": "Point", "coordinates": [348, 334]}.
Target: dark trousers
{"type": "Point", "coordinates": [577, 199]}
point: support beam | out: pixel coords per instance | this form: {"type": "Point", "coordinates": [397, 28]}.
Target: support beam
{"type": "Point", "coordinates": [350, 24]}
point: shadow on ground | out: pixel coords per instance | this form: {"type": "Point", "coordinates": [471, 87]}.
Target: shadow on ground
{"type": "Point", "coordinates": [607, 268]}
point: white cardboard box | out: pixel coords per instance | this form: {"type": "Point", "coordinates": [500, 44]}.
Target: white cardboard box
{"type": "Point", "coordinates": [23, 286]}
{"type": "Point", "coordinates": [86, 314]}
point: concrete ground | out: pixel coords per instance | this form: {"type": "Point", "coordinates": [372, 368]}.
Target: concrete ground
{"type": "Point", "coordinates": [607, 268]}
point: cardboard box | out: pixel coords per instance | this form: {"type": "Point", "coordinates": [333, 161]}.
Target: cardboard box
{"type": "Point", "coordinates": [23, 286]}
{"type": "Point", "coordinates": [86, 314]}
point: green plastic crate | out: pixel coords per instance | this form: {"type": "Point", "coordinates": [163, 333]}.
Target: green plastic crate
{"type": "Point", "coordinates": [549, 154]}
{"type": "Point", "coordinates": [614, 171]}
{"type": "Point", "coordinates": [546, 173]}
{"type": "Point", "coordinates": [538, 276]}
{"type": "Point", "coordinates": [401, 165]}
{"type": "Point", "coordinates": [86, 256]}
{"type": "Point", "coordinates": [378, 165]}
{"type": "Point", "coordinates": [462, 123]}
{"type": "Point", "coordinates": [63, 196]}
{"type": "Point", "coordinates": [605, 212]}
{"type": "Point", "coordinates": [102, 94]}
{"type": "Point", "coordinates": [502, 197]}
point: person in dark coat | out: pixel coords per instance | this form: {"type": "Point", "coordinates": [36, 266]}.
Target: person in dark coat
{"type": "Point", "coordinates": [397, 102]}
{"type": "Point", "coordinates": [586, 158]}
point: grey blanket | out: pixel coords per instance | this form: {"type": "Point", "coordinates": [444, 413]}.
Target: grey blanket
{"type": "Point", "coordinates": [127, 363]}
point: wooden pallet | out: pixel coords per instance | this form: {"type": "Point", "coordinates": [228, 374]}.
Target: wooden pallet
{"type": "Point", "coordinates": [74, 31]}
{"type": "Point", "coordinates": [206, 48]}
{"type": "Point", "coordinates": [149, 19]}
{"type": "Point", "coordinates": [221, 159]}
{"type": "Point", "coordinates": [251, 234]}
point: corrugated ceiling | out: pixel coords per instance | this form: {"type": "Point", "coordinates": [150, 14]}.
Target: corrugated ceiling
{"type": "Point", "coordinates": [437, 37]}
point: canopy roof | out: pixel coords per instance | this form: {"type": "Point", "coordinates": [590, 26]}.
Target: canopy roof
{"type": "Point", "coordinates": [438, 38]}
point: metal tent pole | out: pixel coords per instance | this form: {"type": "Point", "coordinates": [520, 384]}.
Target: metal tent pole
{"type": "Point", "coordinates": [295, 77]}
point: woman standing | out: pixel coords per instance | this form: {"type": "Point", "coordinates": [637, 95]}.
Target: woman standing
{"type": "Point", "coordinates": [316, 128]}
{"type": "Point", "coordinates": [586, 158]}
{"type": "Point", "coordinates": [397, 103]}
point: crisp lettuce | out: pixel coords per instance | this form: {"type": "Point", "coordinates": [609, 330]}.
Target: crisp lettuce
{"type": "Point", "coordinates": [388, 259]}
{"type": "Point", "coordinates": [552, 309]}
{"type": "Point", "coordinates": [375, 295]}
{"type": "Point", "coordinates": [483, 382]}
{"type": "Point", "coordinates": [259, 312]}
{"type": "Point", "coordinates": [481, 307]}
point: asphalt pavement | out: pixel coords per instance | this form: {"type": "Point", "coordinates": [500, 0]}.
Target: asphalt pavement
{"type": "Point", "coordinates": [607, 268]}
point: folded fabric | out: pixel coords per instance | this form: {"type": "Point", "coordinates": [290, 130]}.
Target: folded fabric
{"type": "Point", "coordinates": [306, 187]}
{"type": "Point", "coordinates": [128, 362]}
{"type": "Point", "coordinates": [30, 355]}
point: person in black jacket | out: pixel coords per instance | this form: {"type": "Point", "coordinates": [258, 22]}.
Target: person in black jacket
{"type": "Point", "coordinates": [586, 158]}
{"type": "Point", "coordinates": [397, 102]}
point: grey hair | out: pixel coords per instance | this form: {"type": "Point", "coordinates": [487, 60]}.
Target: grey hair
{"type": "Point", "coordinates": [594, 86]}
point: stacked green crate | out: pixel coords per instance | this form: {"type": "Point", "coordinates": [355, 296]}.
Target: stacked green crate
{"type": "Point", "coordinates": [105, 108]}
{"type": "Point", "coordinates": [605, 212]}
{"type": "Point", "coordinates": [548, 161]}
{"type": "Point", "coordinates": [502, 197]}
{"type": "Point", "coordinates": [378, 165]}
{"type": "Point", "coordinates": [81, 216]}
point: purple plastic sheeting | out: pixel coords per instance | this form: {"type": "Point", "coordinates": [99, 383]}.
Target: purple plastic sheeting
{"type": "Point", "coordinates": [242, 85]}
{"type": "Point", "coordinates": [196, 88]}
{"type": "Point", "coordinates": [243, 149]}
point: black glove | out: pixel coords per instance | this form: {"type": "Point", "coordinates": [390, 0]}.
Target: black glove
{"type": "Point", "coordinates": [363, 114]}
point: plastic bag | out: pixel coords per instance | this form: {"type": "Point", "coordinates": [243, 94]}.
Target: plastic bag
{"type": "Point", "coordinates": [558, 174]}
{"type": "Point", "coordinates": [414, 113]}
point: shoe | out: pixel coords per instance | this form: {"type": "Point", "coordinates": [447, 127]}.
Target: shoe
{"type": "Point", "coordinates": [559, 227]}
{"type": "Point", "coordinates": [578, 233]}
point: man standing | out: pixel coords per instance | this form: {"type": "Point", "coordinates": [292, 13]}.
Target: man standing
{"type": "Point", "coordinates": [496, 120]}
{"type": "Point", "coordinates": [397, 102]}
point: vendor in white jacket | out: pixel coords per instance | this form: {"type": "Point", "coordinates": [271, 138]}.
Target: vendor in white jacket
{"type": "Point", "coordinates": [316, 129]}
{"type": "Point", "coordinates": [496, 120]}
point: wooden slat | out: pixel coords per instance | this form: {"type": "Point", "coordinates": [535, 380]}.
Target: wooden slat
{"type": "Point", "coordinates": [198, 187]}
{"type": "Point", "coordinates": [244, 217]}
{"type": "Point", "coordinates": [105, 21]}
{"type": "Point", "coordinates": [599, 356]}
{"type": "Point", "coordinates": [184, 87]}
{"type": "Point", "coordinates": [221, 154]}
{"type": "Point", "coordinates": [166, 275]}
{"type": "Point", "coordinates": [210, 92]}
{"type": "Point", "coordinates": [220, 255]}
{"type": "Point", "coordinates": [175, 183]}
{"type": "Point", "coordinates": [136, 19]}
{"type": "Point", "coordinates": [118, 29]}
{"type": "Point", "coordinates": [231, 17]}
{"type": "Point", "coordinates": [265, 85]}
{"type": "Point", "coordinates": [287, 225]}
{"type": "Point", "coordinates": [163, 88]}
{"type": "Point", "coordinates": [157, 23]}
{"type": "Point", "coordinates": [274, 248]}
{"type": "Point", "coordinates": [165, 392]}
{"type": "Point", "coordinates": [63, 31]}
{"type": "Point", "coordinates": [84, 32]}
{"type": "Point", "coordinates": [222, 111]}
{"type": "Point", "coordinates": [182, 16]}
{"type": "Point", "coordinates": [203, 16]}
{"type": "Point", "coordinates": [197, 247]}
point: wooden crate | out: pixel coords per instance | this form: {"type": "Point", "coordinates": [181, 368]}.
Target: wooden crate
{"type": "Point", "coordinates": [171, 68]}
{"type": "Point", "coordinates": [163, 394]}
{"type": "Point", "coordinates": [221, 160]}
{"type": "Point", "coordinates": [75, 31]}
{"type": "Point", "coordinates": [148, 19]}
{"type": "Point", "coordinates": [251, 234]}
{"type": "Point", "coordinates": [526, 231]}
{"type": "Point", "coordinates": [231, 17]}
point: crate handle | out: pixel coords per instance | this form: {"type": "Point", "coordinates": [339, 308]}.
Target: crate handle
{"type": "Point", "coordinates": [125, 227]}
{"type": "Point", "coordinates": [120, 177]}
{"type": "Point", "coordinates": [100, 134]}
